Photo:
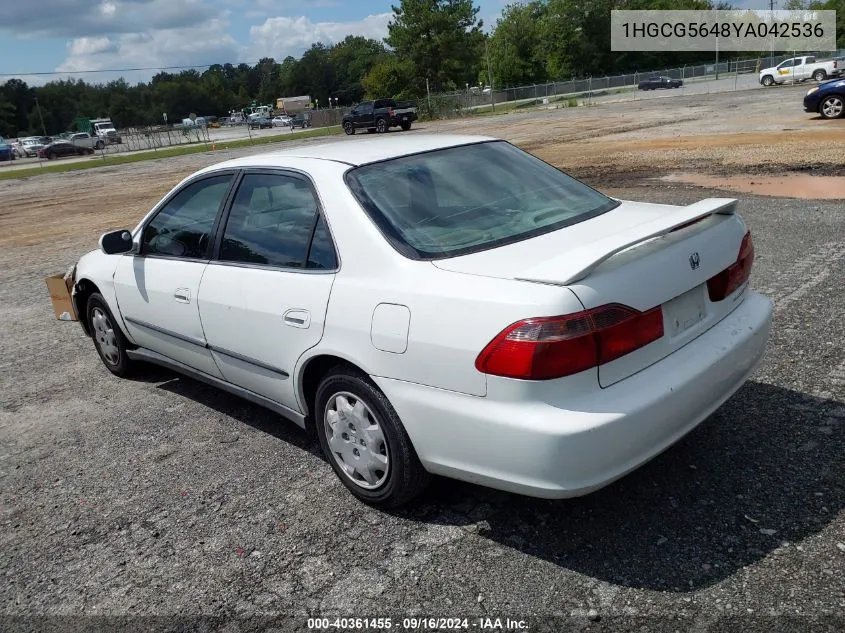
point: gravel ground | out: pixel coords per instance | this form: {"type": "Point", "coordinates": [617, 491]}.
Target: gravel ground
{"type": "Point", "coordinates": [160, 496]}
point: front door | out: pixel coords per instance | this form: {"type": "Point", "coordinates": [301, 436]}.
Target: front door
{"type": "Point", "coordinates": [264, 296]}
{"type": "Point", "coordinates": [157, 288]}
{"type": "Point", "coordinates": [365, 117]}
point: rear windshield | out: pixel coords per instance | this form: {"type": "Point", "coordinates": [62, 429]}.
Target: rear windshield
{"type": "Point", "coordinates": [470, 198]}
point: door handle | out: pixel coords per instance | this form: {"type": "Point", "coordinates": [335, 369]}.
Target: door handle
{"type": "Point", "coordinates": [182, 295]}
{"type": "Point", "coordinates": [298, 318]}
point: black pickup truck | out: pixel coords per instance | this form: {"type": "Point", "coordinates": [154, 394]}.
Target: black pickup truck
{"type": "Point", "coordinates": [379, 116]}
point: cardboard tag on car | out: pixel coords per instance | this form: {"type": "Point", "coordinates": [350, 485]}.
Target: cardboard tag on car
{"type": "Point", "coordinates": [60, 287]}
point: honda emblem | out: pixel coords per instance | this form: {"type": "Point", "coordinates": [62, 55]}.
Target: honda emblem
{"type": "Point", "coordinates": [694, 261]}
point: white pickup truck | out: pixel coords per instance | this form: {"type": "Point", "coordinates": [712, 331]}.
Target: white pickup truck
{"type": "Point", "coordinates": [83, 139]}
{"type": "Point", "coordinates": [800, 69]}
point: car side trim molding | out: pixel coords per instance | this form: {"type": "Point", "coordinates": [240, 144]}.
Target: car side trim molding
{"type": "Point", "coordinates": [149, 326]}
{"type": "Point", "coordinates": [150, 356]}
{"type": "Point", "coordinates": [249, 361]}
{"type": "Point", "coordinates": [202, 343]}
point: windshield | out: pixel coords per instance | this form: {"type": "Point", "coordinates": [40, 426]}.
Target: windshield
{"type": "Point", "coordinates": [465, 199]}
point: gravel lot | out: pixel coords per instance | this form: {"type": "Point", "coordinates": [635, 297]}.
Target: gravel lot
{"type": "Point", "coordinates": [163, 497]}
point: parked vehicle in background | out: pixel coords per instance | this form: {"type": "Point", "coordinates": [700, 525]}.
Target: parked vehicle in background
{"type": "Point", "coordinates": [800, 69]}
{"type": "Point", "coordinates": [282, 121]}
{"type": "Point", "coordinates": [260, 122]}
{"type": "Point", "coordinates": [659, 83]}
{"type": "Point", "coordinates": [300, 120]}
{"type": "Point", "coordinates": [293, 105]}
{"type": "Point", "coordinates": [379, 116]}
{"type": "Point", "coordinates": [18, 149]}
{"type": "Point", "coordinates": [506, 324]}
{"type": "Point", "coordinates": [85, 140]}
{"type": "Point", "coordinates": [32, 144]}
{"type": "Point", "coordinates": [7, 152]}
{"type": "Point", "coordinates": [828, 99]}
{"type": "Point", "coordinates": [62, 148]}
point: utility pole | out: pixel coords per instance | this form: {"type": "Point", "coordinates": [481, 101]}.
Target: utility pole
{"type": "Point", "coordinates": [489, 72]}
{"type": "Point", "coordinates": [717, 57]}
{"type": "Point", "coordinates": [38, 107]}
{"type": "Point", "coordinates": [428, 92]}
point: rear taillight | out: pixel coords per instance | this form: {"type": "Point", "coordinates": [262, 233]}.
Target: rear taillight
{"type": "Point", "coordinates": [391, 112]}
{"type": "Point", "coordinates": [726, 282]}
{"type": "Point", "coordinates": [552, 347]}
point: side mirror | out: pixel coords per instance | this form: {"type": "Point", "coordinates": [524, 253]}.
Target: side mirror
{"type": "Point", "coordinates": [116, 242]}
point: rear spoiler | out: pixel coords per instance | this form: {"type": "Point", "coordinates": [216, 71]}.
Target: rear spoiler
{"type": "Point", "coordinates": [579, 263]}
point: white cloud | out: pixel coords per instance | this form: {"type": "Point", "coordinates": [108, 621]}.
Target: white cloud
{"type": "Point", "coordinates": [279, 37]}
{"type": "Point", "coordinates": [206, 43]}
{"type": "Point", "coordinates": [91, 46]}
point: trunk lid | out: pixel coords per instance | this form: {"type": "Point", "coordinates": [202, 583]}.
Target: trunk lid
{"type": "Point", "coordinates": [639, 255]}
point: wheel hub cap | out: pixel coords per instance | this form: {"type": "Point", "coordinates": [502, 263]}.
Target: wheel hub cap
{"type": "Point", "coordinates": [104, 337]}
{"type": "Point", "coordinates": [356, 441]}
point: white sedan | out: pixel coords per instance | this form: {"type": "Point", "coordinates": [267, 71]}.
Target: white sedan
{"type": "Point", "coordinates": [444, 305]}
{"type": "Point", "coordinates": [281, 121]}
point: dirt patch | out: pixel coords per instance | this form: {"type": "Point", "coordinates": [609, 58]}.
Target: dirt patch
{"type": "Point", "coordinates": [784, 186]}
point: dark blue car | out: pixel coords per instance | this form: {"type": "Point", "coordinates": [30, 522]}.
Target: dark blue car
{"type": "Point", "coordinates": [828, 99]}
{"type": "Point", "coordinates": [6, 151]}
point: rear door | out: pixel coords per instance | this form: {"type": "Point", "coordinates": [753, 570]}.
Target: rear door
{"type": "Point", "coordinates": [264, 296]}
{"type": "Point", "coordinates": [157, 288]}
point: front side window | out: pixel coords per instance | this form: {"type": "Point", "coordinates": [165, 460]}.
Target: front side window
{"type": "Point", "coordinates": [183, 226]}
{"type": "Point", "coordinates": [787, 64]}
{"type": "Point", "coordinates": [469, 198]}
{"type": "Point", "coordinates": [271, 222]}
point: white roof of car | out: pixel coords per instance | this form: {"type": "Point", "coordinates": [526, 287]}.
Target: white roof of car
{"type": "Point", "coordinates": [359, 151]}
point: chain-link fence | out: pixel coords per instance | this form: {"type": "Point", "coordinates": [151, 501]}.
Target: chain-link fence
{"type": "Point", "coordinates": [446, 105]}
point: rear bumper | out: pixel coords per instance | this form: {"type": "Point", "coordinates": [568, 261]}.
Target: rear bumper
{"type": "Point", "coordinates": [566, 449]}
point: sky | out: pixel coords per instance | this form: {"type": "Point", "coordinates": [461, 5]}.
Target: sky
{"type": "Point", "coordinates": [73, 35]}
{"type": "Point", "coordinates": [63, 36]}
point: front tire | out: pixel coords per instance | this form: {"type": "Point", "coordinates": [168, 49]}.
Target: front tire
{"type": "Point", "coordinates": [349, 128]}
{"type": "Point", "coordinates": [364, 440]}
{"type": "Point", "coordinates": [768, 80]}
{"type": "Point", "coordinates": [381, 126]}
{"type": "Point", "coordinates": [832, 107]}
{"type": "Point", "coordinates": [109, 341]}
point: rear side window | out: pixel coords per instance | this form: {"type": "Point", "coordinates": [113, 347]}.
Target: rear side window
{"type": "Point", "coordinates": [271, 223]}
{"type": "Point", "coordinates": [470, 198]}
{"type": "Point", "coordinates": [183, 226]}
{"type": "Point", "coordinates": [322, 254]}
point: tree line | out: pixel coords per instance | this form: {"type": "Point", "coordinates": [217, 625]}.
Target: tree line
{"type": "Point", "coordinates": [432, 45]}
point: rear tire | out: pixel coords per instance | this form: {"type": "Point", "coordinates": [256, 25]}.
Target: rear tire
{"type": "Point", "coordinates": [363, 439]}
{"type": "Point", "coordinates": [99, 145]}
{"type": "Point", "coordinates": [108, 339]}
{"type": "Point", "coordinates": [405, 125]}
{"type": "Point", "coordinates": [348, 128]}
{"type": "Point", "coordinates": [819, 76]}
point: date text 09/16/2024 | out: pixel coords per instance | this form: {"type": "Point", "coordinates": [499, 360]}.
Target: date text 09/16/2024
{"type": "Point", "coordinates": [417, 624]}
